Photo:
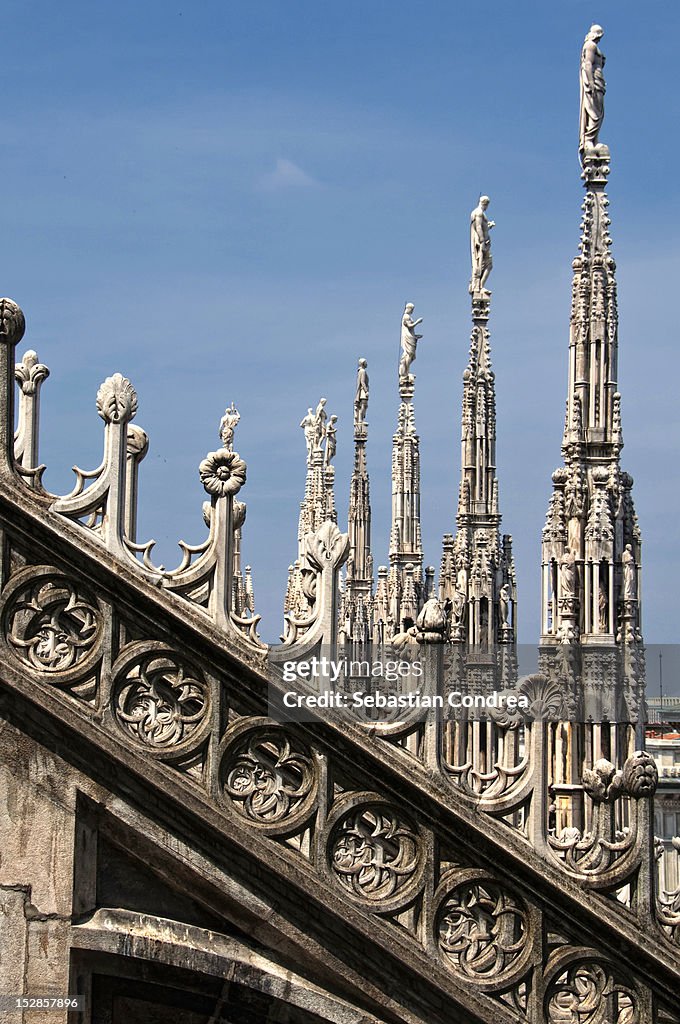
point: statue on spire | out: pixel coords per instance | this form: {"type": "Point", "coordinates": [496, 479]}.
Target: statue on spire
{"type": "Point", "coordinates": [228, 424]}
{"type": "Point", "coordinates": [480, 248]}
{"type": "Point", "coordinates": [309, 426]}
{"type": "Point", "coordinates": [361, 396]}
{"type": "Point", "coordinates": [409, 341]}
{"type": "Point", "coordinates": [592, 92]}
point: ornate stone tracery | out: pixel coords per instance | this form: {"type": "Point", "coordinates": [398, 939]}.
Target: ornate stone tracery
{"type": "Point", "coordinates": [51, 623]}
{"type": "Point", "coordinates": [589, 991]}
{"type": "Point", "coordinates": [483, 930]}
{"type": "Point", "coordinates": [374, 852]}
{"type": "Point", "coordinates": [269, 777]}
{"type": "Point", "coordinates": [159, 700]}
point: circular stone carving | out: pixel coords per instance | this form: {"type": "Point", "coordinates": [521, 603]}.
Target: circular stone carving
{"type": "Point", "coordinates": [222, 472]}
{"type": "Point", "coordinates": [51, 623]}
{"type": "Point", "coordinates": [482, 930]}
{"type": "Point", "coordinates": [588, 993]}
{"type": "Point", "coordinates": [269, 778]}
{"type": "Point", "coordinates": [159, 699]}
{"type": "Point", "coordinates": [375, 854]}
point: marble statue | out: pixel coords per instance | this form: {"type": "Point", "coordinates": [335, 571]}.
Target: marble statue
{"type": "Point", "coordinates": [457, 607]}
{"type": "Point", "coordinates": [320, 423]}
{"type": "Point", "coordinates": [409, 340]}
{"type": "Point", "coordinates": [331, 440]}
{"type": "Point", "coordinates": [228, 424]}
{"type": "Point", "coordinates": [309, 426]}
{"type": "Point", "coordinates": [431, 621]}
{"type": "Point", "coordinates": [480, 247]}
{"type": "Point", "coordinates": [592, 90]}
{"type": "Point", "coordinates": [568, 574]}
{"type": "Point", "coordinates": [504, 604]}
{"type": "Point", "coordinates": [361, 397]}
{"type": "Point", "coordinates": [629, 574]}
{"type": "Point", "coordinates": [602, 608]}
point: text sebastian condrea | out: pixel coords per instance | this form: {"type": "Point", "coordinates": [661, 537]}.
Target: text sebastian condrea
{"type": "Point", "coordinates": [359, 699]}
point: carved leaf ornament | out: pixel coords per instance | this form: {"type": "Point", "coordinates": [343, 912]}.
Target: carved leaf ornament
{"type": "Point", "coordinates": [328, 547]}
{"type": "Point", "coordinates": [116, 399]}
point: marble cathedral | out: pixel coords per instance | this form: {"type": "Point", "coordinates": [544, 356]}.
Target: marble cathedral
{"type": "Point", "coordinates": [172, 847]}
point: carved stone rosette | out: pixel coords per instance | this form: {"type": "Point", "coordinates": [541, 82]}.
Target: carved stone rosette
{"type": "Point", "coordinates": [160, 700]}
{"type": "Point", "coordinates": [268, 776]}
{"type": "Point", "coordinates": [51, 624]}
{"type": "Point", "coordinates": [374, 853]}
{"type": "Point", "coordinates": [483, 930]}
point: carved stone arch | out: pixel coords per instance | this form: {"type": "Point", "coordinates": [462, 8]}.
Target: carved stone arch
{"type": "Point", "coordinates": [140, 956]}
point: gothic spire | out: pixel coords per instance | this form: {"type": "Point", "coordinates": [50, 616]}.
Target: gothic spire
{"type": "Point", "coordinates": [318, 504]}
{"type": "Point", "coordinates": [358, 596]}
{"type": "Point", "coordinates": [477, 580]}
{"type": "Point", "coordinates": [591, 540]}
{"type": "Point", "coordinates": [405, 582]}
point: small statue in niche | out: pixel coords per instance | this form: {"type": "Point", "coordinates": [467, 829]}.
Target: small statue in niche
{"type": "Point", "coordinates": [629, 574]}
{"type": "Point", "coordinates": [504, 604]}
{"type": "Point", "coordinates": [602, 607]}
{"type": "Point", "coordinates": [568, 574]}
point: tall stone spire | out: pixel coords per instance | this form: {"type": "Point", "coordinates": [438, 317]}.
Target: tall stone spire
{"type": "Point", "coordinates": [477, 579]}
{"type": "Point", "coordinates": [405, 581]}
{"type": "Point", "coordinates": [591, 541]}
{"type": "Point", "coordinates": [318, 504]}
{"type": "Point", "coordinates": [357, 605]}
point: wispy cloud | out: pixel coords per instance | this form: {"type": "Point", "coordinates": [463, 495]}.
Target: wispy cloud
{"type": "Point", "coordinates": [286, 175]}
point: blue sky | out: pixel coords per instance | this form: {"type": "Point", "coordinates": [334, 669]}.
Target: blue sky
{"type": "Point", "coordinates": [232, 201]}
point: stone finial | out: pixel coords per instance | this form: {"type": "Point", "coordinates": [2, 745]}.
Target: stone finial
{"type": "Point", "coordinates": [12, 322]}
{"type": "Point", "coordinates": [30, 373]}
{"type": "Point", "coordinates": [117, 400]}
{"type": "Point", "coordinates": [137, 442]}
